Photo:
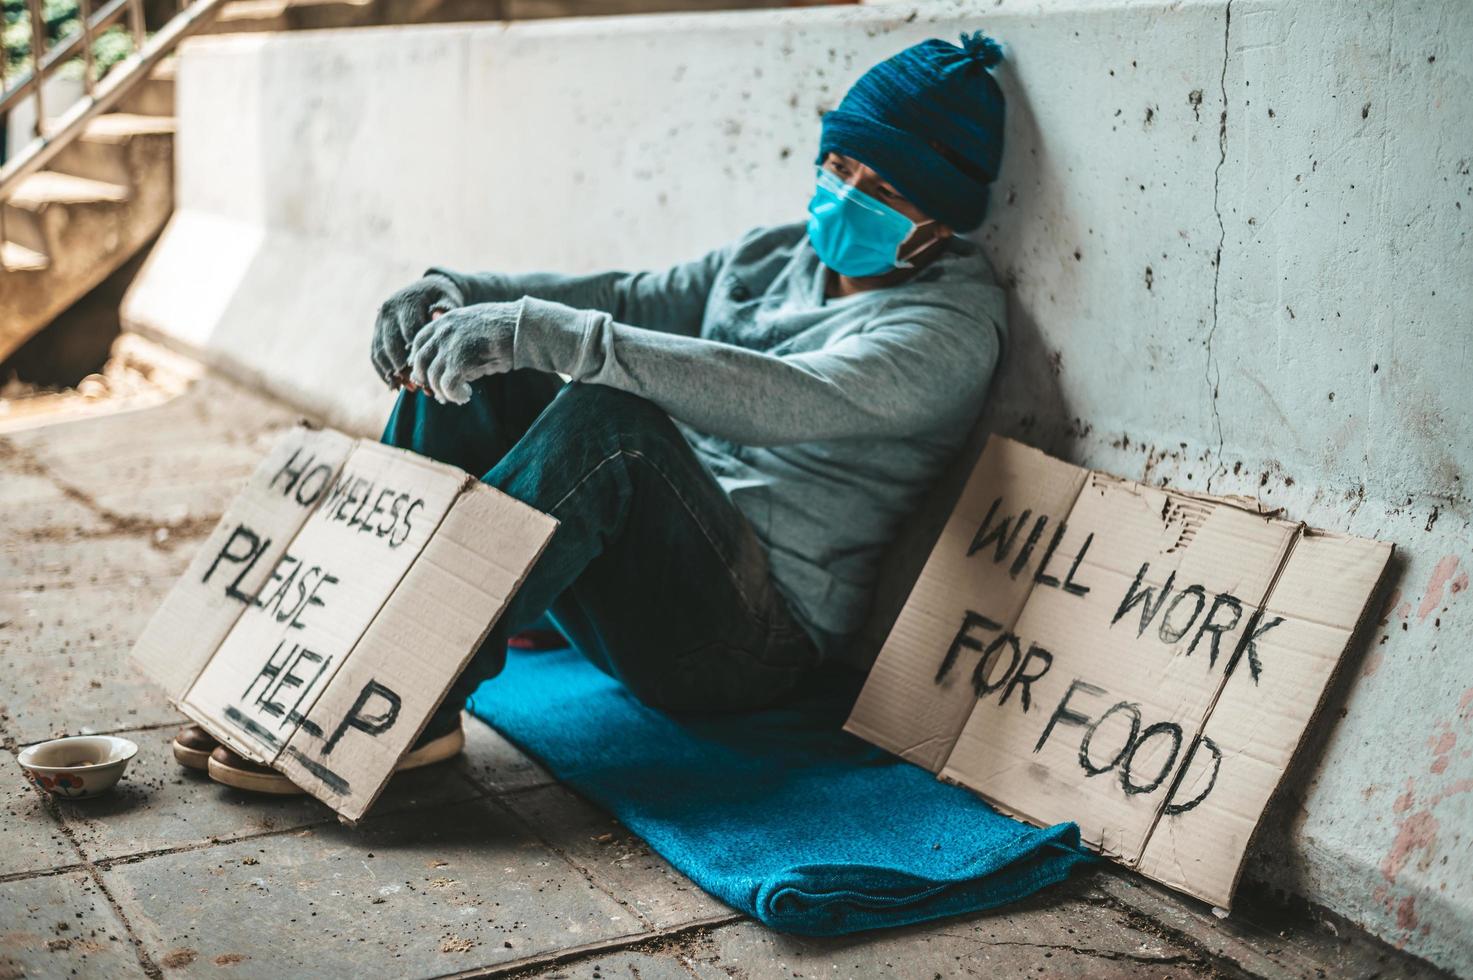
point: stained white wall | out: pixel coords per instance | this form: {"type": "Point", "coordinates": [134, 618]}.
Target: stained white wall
{"type": "Point", "coordinates": [1237, 236]}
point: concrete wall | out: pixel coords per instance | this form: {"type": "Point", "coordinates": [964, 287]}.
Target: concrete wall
{"type": "Point", "coordinates": [58, 93]}
{"type": "Point", "coordinates": [1237, 235]}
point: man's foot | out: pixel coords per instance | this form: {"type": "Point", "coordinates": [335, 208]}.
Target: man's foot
{"type": "Point", "coordinates": [436, 743]}
{"type": "Point", "coordinates": [442, 739]}
{"type": "Point", "coordinates": [192, 747]}
{"type": "Point", "coordinates": [232, 769]}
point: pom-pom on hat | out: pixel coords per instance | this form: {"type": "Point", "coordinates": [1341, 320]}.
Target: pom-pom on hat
{"type": "Point", "coordinates": [930, 121]}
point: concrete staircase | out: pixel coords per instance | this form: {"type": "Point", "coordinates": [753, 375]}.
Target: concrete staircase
{"type": "Point", "coordinates": [67, 228]}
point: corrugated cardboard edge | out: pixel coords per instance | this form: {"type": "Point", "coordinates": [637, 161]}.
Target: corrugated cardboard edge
{"type": "Point", "coordinates": [1357, 633]}
{"type": "Point", "coordinates": [225, 735]}
{"type": "Point", "coordinates": [466, 499]}
{"type": "Point", "coordinates": [1201, 726]}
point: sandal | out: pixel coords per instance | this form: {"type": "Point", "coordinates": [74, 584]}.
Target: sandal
{"type": "Point", "coordinates": [232, 769]}
{"type": "Point", "coordinates": [192, 747]}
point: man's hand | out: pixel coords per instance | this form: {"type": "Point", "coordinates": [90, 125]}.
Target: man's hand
{"type": "Point", "coordinates": [461, 346]}
{"type": "Point", "coordinates": [400, 319]}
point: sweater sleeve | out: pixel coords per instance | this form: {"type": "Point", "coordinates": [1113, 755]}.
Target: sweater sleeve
{"type": "Point", "coordinates": [671, 300]}
{"type": "Point", "coordinates": [904, 374]}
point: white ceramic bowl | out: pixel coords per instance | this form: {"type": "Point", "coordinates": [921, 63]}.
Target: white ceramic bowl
{"type": "Point", "coordinates": [79, 766]}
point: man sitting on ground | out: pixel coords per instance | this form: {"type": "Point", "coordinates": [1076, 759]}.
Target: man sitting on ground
{"type": "Point", "coordinates": [743, 433]}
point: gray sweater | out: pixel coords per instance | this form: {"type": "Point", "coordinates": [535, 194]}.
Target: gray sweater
{"type": "Point", "coordinates": [825, 420]}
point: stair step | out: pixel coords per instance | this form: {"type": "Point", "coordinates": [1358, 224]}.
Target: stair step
{"type": "Point", "coordinates": [26, 212]}
{"type": "Point", "coordinates": [154, 96]}
{"type": "Point", "coordinates": [17, 258]}
{"type": "Point", "coordinates": [52, 187]}
{"type": "Point", "coordinates": [239, 10]}
{"type": "Point", "coordinates": [251, 10]}
{"type": "Point", "coordinates": [105, 150]}
{"type": "Point", "coordinates": [115, 127]}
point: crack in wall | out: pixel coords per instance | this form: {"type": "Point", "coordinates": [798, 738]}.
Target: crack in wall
{"type": "Point", "coordinates": [1212, 373]}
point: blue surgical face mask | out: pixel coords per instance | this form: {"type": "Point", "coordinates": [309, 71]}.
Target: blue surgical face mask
{"type": "Point", "coordinates": [854, 234]}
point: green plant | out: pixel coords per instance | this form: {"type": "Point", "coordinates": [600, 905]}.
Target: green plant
{"type": "Point", "coordinates": [61, 19]}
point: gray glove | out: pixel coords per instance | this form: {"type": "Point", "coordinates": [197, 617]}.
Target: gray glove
{"type": "Point", "coordinates": [402, 316]}
{"type": "Point", "coordinates": [461, 346]}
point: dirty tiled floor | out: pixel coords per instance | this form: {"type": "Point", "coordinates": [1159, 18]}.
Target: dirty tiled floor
{"type": "Point", "coordinates": [482, 866]}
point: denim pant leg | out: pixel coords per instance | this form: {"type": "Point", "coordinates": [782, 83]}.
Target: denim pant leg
{"type": "Point", "coordinates": [473, 436]}
{"type": "Point", "coordinates": [652, 572]}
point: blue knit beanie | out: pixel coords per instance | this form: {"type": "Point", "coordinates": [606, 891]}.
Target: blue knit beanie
{"type": "Point", "coordinates": [932, 94]}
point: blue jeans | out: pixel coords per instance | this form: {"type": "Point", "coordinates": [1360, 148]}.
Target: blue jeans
{"type": "Point", "coordinates": [652, 573]}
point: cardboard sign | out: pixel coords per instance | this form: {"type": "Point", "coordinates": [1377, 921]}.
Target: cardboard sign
{"type": "Point", "coordinates": [1140, 661]}
{"type": "Point", "coordinates": [336, 601]}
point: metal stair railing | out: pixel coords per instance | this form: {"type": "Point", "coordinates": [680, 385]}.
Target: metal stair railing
{"type": "Point", "coordinates": [98, 96]}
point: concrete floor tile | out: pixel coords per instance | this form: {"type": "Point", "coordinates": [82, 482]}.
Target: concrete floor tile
{"type": "Point", "coordinates": [160, 804]}
{"type": "Point", "coordinates": [1290, 947]}
{"type": "Point", "coordinates": [178, 462]}
{"type": "Point", "coordinates": [69, 613]}
{"type": "Point", "coordinates": [103, 515]}
{"type": "Point", "coordinates": [1064, 938]}
{"type": "Point", "coordinates": [62, 925]}
{"type": "Point", "coordinates": [37, 511]}
{"type": "Point", "coordinates": [123, 562]}
{"type": "Point", "coordinates": [79, 691]}
{"type": "Point", "coordinates": [411, 895]}
{"type": "Point", "coordinates": [69, 695]}
{"type": "Point", "coordinates": [623, 864]}
{"type": "Point", "coordinates": [34, 839]}
{"type": "Point", "coordinates": [624, 964]}
{"type": "Point", "coordinates": [145, 560]}
{"type": "Point", "coordinates": [497, 764]}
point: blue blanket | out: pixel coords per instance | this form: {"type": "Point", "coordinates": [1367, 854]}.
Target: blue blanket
{"type": "Point", "coordinates": [778, 813]}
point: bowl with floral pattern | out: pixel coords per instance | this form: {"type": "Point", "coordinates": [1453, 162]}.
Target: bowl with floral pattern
{"type": "Point", "coordinates": [79, 766]}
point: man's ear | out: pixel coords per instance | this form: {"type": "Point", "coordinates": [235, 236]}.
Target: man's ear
{"type": "Point", "coordinates": [930, 249]}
